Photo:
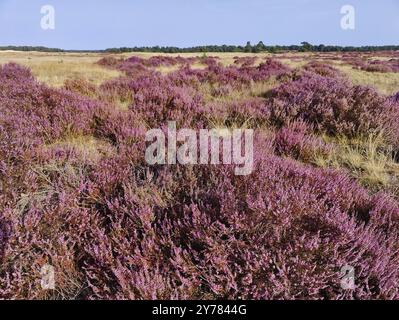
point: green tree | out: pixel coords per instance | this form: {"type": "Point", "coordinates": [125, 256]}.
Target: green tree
{"type": "Point", "coordinates": [248, 47]}
{"type": "Point", "coordinates": [306, 46]}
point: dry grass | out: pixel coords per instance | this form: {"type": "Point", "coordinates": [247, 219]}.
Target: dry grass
{"type": "Point", "coordinates": [55, 73]}
{"type": "Point", "coordinates": [386, 83]}
{"type": "Point", "coordinates": [294, 63]}
{"type": "Point", "coordinates": [167, 69]}
{"type": "Point", "coordinates": [89, 148]}
{"type": "Point", "coordinates": [365, 158]}
{"type": "Point", "coordinates": [256, 89]}
{"type": "Point", "coordinates": [54, 68]}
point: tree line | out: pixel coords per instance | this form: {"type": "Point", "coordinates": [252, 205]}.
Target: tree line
{"type": "Point", "coordinates": [248, 48]}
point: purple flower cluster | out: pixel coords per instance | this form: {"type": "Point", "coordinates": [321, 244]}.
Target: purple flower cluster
{"type": "Point", "coordinates": [334, 106]}
{"type": "Point", "coordinates": [390, 65]}
{"type": "Point", "coordinates": [322, 69]}
{"type": "Point", "coordinates": [245, 61]}
{"type": "Point", "coordinates": [396, 97]}
{"type": "Point", "coordinates": [297, 141]}
{"type": "Point", "coordinates": [236, 76]}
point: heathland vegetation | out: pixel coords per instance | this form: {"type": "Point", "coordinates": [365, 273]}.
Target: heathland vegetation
{"type": "Point", "coordinates": [76, 192]}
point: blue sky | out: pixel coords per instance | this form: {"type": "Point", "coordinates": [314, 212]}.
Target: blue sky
{"type": "Point", "coordinates": [99, 24]}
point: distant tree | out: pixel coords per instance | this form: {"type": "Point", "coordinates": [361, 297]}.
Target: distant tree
{"type": "Point", "coordinates": [320, 48]}
{"type": "Point", "coordinates": [259, 47]}
{"type": "Point", "coordinates": [248, 47]}
{"type": "Point", "coordinates": [306, 46]}
{"type": "Point", "coordinates": [272, 49]}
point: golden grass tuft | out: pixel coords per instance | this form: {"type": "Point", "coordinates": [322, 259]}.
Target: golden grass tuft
{"type": "Point", "coordinates": [255, 89]}
{"type": "Point", "coordinates": [89, 148]}
{"type": "Point", "coordinates": [368, 159]}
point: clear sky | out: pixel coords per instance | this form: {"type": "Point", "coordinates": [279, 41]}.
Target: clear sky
{"type": "Point", "coordinates": [100, 24]}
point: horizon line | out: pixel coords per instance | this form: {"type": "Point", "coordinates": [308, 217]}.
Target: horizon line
{"type": "Point", "coordinates": [197, 47]}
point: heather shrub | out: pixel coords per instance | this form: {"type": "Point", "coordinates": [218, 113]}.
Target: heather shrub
{"type": "Point", "coordinates": [248, 113]}
{"type": "Point", "coordinates": [374, 67]}
{"type": "Point", "coordinates": [394, 64]}
{"type": "Point", "coordinates": [244, 75]}
{"type": "Point", "coordinates": [391, 65]}
{"type": "Point", "coordinates": [135, 60]}
{"type": "Point", "coordinates": [109, 61]}
{"type": "Point", "coordinates": [322, 69]}
{"type": "Point", "coordinates": [81, 86]}
{"type": "Point", "coordinates": [134, 64]}
{"type": "Point", "coordinates": [245, 61]}
{"type": "Point", "coordinates": [383, 66]}
{"type": "Point", "coordinates": [134, 70]}
{"type": "Point", "coordinates": [221, 90]}
{"type": "Point", "coordinates": [356, 62]}
{"type": "Point", "coordinates": [157, 61]}
{"type": "Point", "coordinates": [41, 113]}
{"type": "Point", "coordinates": [333, 106]}
{"type": "Point", "coordinates": [235, 77]}
{"type": "Point", "coordinates": [209, 61]}
{"type": "Point", "coordinates": [116, 90]}
{"type": "Point", "coordinates": [297, 141]}
{"type": "Point", "coordinates": [13, 71]}
{"type": "Point", "coordinates": [243, 235]}
{"type": "Point", "coordinates": [157, 100]}
{"type": "Point", "coordinates": [272, 67]}
{"type": "Point", "coordinates": [186, 76]}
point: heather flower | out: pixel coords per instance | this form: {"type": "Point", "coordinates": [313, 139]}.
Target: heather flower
{"type": "Point", "coordinates": [297, 141]}
{"type": "Point", "coordinates": [333, 106]}
{"type": "Point", "coordinates": [324, 70]}
{"type": "Point", "coordinates": [396, 97]}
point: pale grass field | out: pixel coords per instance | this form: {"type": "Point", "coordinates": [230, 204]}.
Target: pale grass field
{"type": "Point", "coordinates": [54, 68]}
{"type": "Point", "coordinates": [386, 83]}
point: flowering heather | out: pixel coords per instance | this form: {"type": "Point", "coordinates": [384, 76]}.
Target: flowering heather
{"type": "Point", "coordinates": [215, 73]}
{"type": "Point", "coordinates": [80, 86]}
{"type": "Point", "coordinates": [391, 65]}
{"type": "Point", "coordinates": [297, 141]}
{"type": "Point", "coordinates": [248, 112]}
{"type": "Point", "coordinates": [209, 61]}
{"type": "Point", "coordinates": [245, 61]}
{"type": "Point", "coordinates": [76, 192]}
{"type": "Point", "coordinates": [334, 106]}
{"type": "Point", "coordinates": [322, 69]}
{"type": "Point", "coordinates": [109, 61]}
